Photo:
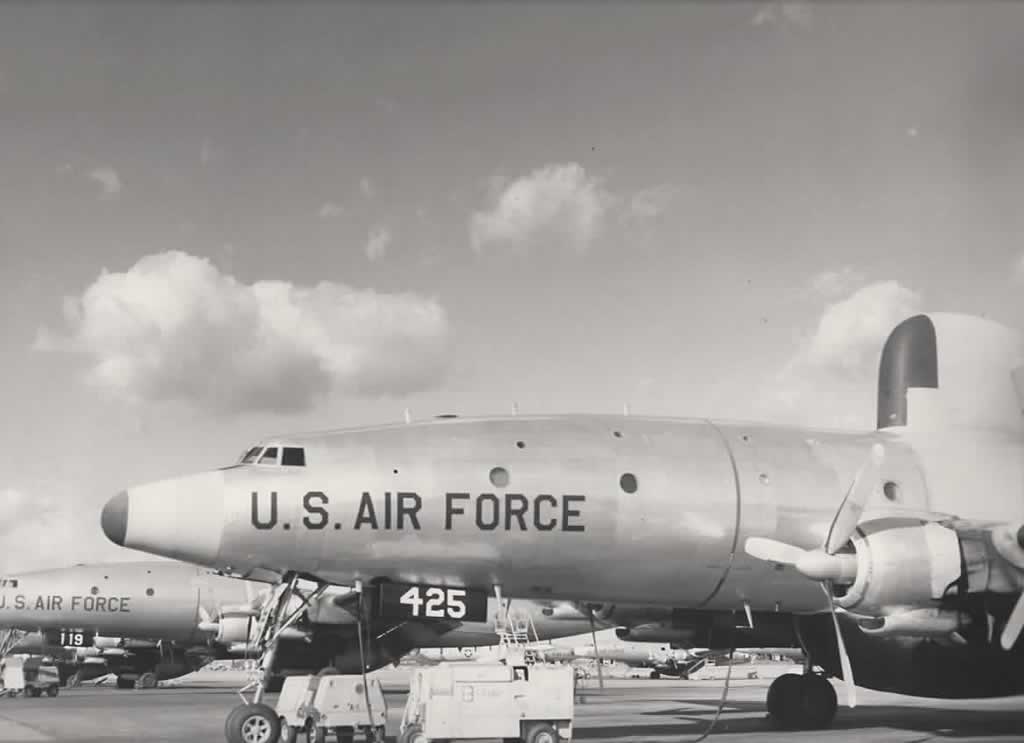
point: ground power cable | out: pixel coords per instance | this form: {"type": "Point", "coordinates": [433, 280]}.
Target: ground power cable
{"type": "Point", "coordinates": [721, 702]}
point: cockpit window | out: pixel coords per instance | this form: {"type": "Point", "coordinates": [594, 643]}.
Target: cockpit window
{"type": "Point", "coordinates": [269, 455]}
{"type": "Point", "coordinates": [293, 456]}
{"type": "Point", "coordinates": [251, 456]}
{"type": "Point", "coordinates": [8, 582]}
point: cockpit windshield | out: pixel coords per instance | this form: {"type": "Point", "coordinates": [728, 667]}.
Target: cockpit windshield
{"type": "Point", "coordinates": [286, 456]}
{"type": "Point", "coordinates": [8, 582]}
{"type": "Point", "coordinates": [252, 455]}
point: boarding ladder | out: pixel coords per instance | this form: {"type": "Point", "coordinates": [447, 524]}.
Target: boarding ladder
{"type": "Point", "coordinates": [9, 639]}
{"type": "Point", "coordinates": [516, 631]}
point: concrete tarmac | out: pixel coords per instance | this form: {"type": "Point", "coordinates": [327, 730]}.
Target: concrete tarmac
{"type": "Point", "coordinates": [626, 710]}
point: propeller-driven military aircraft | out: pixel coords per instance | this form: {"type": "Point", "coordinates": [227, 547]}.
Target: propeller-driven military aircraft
{"type": "Point", "coordinates": [148, 621]}
{"type": "Point", "coordinates": [141, 621]}
{"type": "Point", "coordinates": [896, 556]}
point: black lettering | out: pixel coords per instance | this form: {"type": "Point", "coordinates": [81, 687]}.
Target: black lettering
{"type": "Point", "coordinates": [124, 604]}
{"type": "Point", "coordinates": [544, 526]}
{"type": "Point", "coordinates": [56, 603]}
{"type": "Point", "coordinates": [409, 509]}
{"type": "Point", "coordinates": [516, 505]}
{"type": "Point", "coordinates": [315, 510]}
{"type": "Point", "coordinates": [40, 604]}
{"type": "Point", "coordinates": [272, 521]}
{"type": "Point", "coordinates": [387, 509]}
{"type": "Point", "coordinates": [3, 600]}
{"type": "Point", "coordinates": [450, 509]}
{"type": "Point", "coordinates": [89, 603]}
{"type": "Point", "coordinates": [366, 513]}
{"type": "Point", "coordinates": [570, 513]}
{"type": "Point", "coordinates": [75, 601]}
{"type": "Point", "coordinates": [101, 603]}
{"type": "Point", "coordinates": [19, 601]}
{"type": "Point", "coordinates": [495, 516]}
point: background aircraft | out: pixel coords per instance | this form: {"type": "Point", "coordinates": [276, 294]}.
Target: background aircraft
{"type": "Point", "coordinates": [912, 530]}
{"type": "Point", "coordinates": [148, 621]}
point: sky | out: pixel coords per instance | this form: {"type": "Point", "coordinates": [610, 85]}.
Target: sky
{"type": "Point", "coordinates": [221, 221]}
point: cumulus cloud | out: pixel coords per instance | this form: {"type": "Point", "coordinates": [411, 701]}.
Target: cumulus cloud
{"type": "Point", "coordinates": [108, 180]}
{"type": "Point", "coordinates": [850, 332]}
{"type": "Point", "coordinates": [377, 243]}
{"type": "Point", "coordinates": [830, 380]}
{"type": "Point", "coordinates": [835, 283]}
{"type": "Point", "coordinates": [556, 203]}
{"type": "Point", "coordinates": [796, 14]}
{"type": "Point", "coordinates": [175, 328]}
{"type": "Point", "coordinates": [649, 203]}
{"type": "Point", "coordinates": [330, 210]}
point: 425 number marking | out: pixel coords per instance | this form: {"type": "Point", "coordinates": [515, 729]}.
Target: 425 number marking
{"type": "Point", "coordinates": [432, 602]}
{"type": "Point", "coordinates": [435, 603]}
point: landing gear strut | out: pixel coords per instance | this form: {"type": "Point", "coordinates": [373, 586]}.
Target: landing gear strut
{"type": "Point", "coordinates": [252, 721]}
{"type": "Point", "coordinates": [801, 702]}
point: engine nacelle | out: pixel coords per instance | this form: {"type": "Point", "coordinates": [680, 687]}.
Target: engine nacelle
{"type": "Point", "coordinates": [234, 629]}
{"type": "Point", "coordinates": [901, 566]}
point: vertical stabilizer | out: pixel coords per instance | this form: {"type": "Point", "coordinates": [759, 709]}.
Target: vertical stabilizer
{"type": "Point", "coordinates": [948, 371]}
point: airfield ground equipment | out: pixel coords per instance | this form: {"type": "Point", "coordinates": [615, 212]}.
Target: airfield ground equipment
{"type": "Point", "coordinates": [31, 675]}
{"type": "Point", "coordinates": [313, 706]}
{"type": "Point", "coordinates": [455, 701]}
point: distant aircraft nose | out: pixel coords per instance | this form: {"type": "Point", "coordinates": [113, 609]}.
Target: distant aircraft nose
{"type": "Point", "coordinates": [114, 518]}
{"type": "Point", "coordinates": [181, 518]}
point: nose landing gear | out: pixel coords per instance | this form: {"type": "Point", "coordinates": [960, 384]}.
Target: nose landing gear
{"type": "Point", "coordinates": [253, 721]}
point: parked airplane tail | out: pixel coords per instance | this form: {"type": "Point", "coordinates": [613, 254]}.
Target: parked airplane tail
{"type": "Point", "coordinates": [944, 370]}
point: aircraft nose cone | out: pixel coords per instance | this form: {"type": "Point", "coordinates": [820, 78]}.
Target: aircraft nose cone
{"type": "Point", "coordinates": [114, 518]}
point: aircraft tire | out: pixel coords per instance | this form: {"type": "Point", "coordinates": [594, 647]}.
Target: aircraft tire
{"type": "Point", "coordinates": [33, 692]}
{"type": "Point", "coordinates": [819, 703]}
{"type": "Point", "coordinates": [801, 702]}
{"type": "Point", "coordinates": [51, 691]}
{"type": "Point", "coordinates": [344, 735]}
{"type": "Point", "coordinates": [252, 723]}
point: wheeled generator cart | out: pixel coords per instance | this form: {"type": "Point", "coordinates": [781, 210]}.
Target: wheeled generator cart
{"type": "Point", "coordinates": [316, 705]}
{"type": "Point", "coordinates": [453, 701]}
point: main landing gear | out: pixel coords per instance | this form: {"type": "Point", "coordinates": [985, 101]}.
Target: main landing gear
{"type": "Point", "coordinates": [801, 702]}
{"type": "Point", "coordinates": [252, 721]}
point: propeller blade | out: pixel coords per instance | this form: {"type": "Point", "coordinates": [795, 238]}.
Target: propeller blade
{"type": "Point", "coordinates": [1013, 625]}
{"type": "Point", "coordinates": [771, 550]}
{"type": "Point", "coordinates": [844, 658]}
{"type": "Point", "coordinates": [848, 515]}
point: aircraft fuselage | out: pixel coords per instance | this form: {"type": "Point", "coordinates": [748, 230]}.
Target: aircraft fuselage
{"type": "Point", "coordinates": [583, 507]}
